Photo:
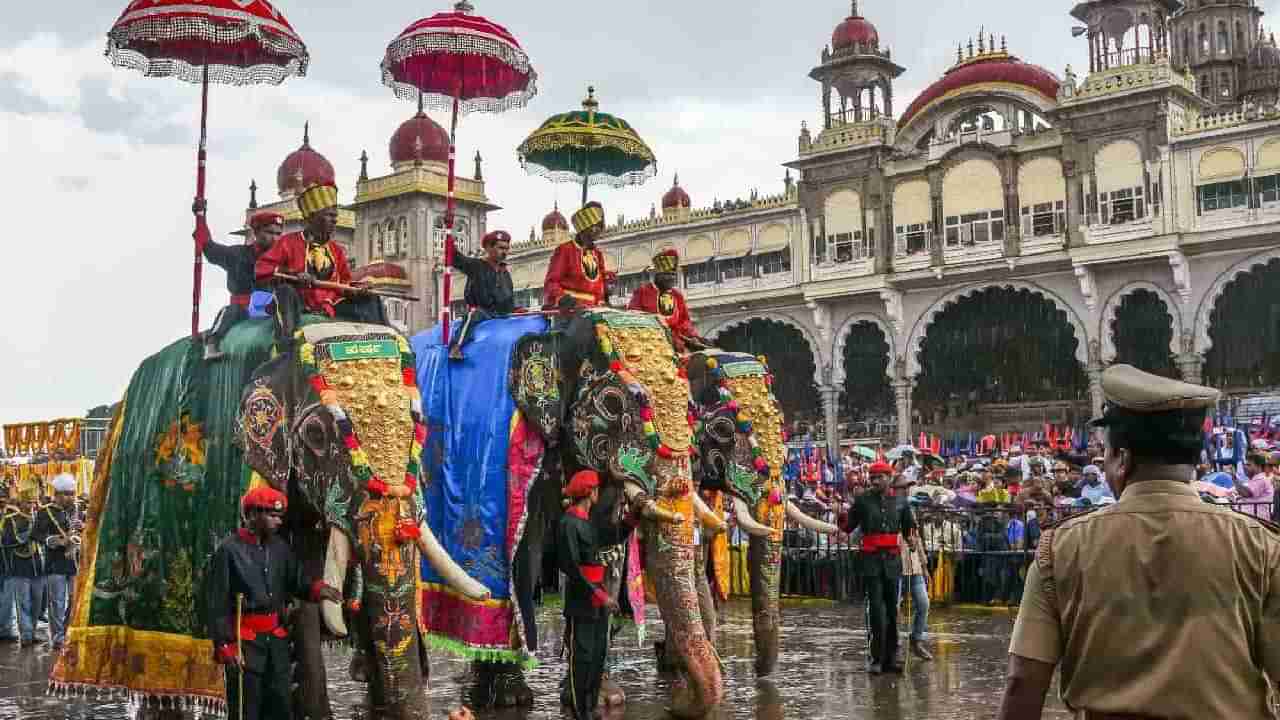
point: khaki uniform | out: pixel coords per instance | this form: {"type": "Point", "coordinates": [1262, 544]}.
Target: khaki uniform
{"type": "Point", "coordinates": [1161, 605]}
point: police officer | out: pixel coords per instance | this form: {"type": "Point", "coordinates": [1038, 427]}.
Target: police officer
{"type": "Point", "coordinates": [881, 517]}
{"type": "Point", "coordinates": [587, 605]}
{"type": "Point", "coordinates": [1159, 605]}
{"type": "Point", "coordinates": [252, 576]}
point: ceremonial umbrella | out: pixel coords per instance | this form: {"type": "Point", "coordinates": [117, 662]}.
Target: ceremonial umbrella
{"type": "Point", "coordinates": [463, 62]}
{"type": "Point", "coordinates": [234, 42]}
{"type": "Point", "coordinates": [589, 147]}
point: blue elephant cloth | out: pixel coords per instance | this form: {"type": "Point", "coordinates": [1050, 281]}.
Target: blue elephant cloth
{"type": "Point", "coordinates": [467, 487]}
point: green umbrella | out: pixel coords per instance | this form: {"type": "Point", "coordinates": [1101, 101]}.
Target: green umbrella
{"type": "Point", "coordinates": [589, 147]}
{"type": "Point", "coordinates": [865, 452]}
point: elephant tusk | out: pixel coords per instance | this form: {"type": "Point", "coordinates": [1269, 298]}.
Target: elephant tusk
{"type": "Point", "coordinates": [809, 523]}
{"type": "Point", "coordinates": [337, 558]}
{"type": "Point", "coordinates": [746, 521]}
{"type": "Point", "coordinates": [649, 509]}
{"type": "Point", "coordinates": [707, 516]}
{"type": "Point", "coordinates": [452, 573]}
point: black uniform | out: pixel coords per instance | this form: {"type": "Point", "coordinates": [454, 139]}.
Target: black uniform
{"type": "Point", "coordinates": [267, 576]}
{"type": "Point", "coordinates": [54, 521]}
{"type": "Point", "coordinates": [489, 294]}
{"type": "Point", "coordinates": [21, 556]}
{"type": "Point", "coordinates": [881, 517]}
{"type": "Point", "coordinates": [238, 261]}
{"type": "Point", "coordinates": [586, 619]}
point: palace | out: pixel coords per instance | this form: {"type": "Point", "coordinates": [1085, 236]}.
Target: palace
{"type": "Point", "coordinates": [971, 262]}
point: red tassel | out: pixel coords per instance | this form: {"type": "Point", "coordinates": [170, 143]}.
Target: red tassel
{"type": "Point", "coordinates": [407, 375]}
{"type": "Point", "coordinates": [351, 441]}
{"type": "Point", "coordinates": [665, 452]}
{"type": "Point", "coordinates": [377, 487]}
{"type": "Point", "coordinates": [615, 366]}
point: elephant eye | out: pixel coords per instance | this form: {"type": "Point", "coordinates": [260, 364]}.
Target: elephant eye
{"type": "Point", "coordinates": [315, 435]}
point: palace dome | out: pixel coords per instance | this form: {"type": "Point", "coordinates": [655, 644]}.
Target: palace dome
{"type": "Point", "coordinates": [302, 168]}
{"type": "Point", "coordinates": [554, 221]}
{"type": "Point", "coordinates": [855, 31]}
{"type": "Point", "coordinates": [676, 197]}
{"type": "Point", "coordinates": [380, 273]}
{"type": "Point", "coordinates": [420, 138]}
{"type": "Point", "coordinates": [999, 69]}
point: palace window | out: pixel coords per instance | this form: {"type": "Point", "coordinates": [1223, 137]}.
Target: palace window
{"type": "Point", "coordinates": [1204, 40]}
{"type": "Point", "coordinates": [849, 246]}
{"type": "Point", "coordinates": [528, 298]}
{"type": "Point", "coordinates": [735, 269]}
{"type": "Point", "coordinates": [1044, 219]}
{"type": "Point", "coordinates": [703, 273]}
{"type": "Point", "coordinates": [1224, 86]}
{"type": "Point", "coordinates": [913, 239]}
{"type": "Point", "coordinates": [774, 262]}
{"type": "Point", "coordinates": [628, 284]}
{"type": "Point", "coordinates": [974, 229]}
{"type": "Point", "coordinates": [461, 235]}
{"type": "Point", "coordinates": [1222, 196]}
{"type": "Point", "coordinates": [1121, 206]}
{"type": "Point", "coordinates": [1204, 86]}
{"type": "Point", "coordinates": [1268, 189]}
{"type": "Point", "coordinates": [1224, 39]}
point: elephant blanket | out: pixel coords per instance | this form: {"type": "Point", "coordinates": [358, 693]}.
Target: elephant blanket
{"type": "Point", "coordinates": [479, 462]}
{"type": "Point", "coordinates": [166, 491]}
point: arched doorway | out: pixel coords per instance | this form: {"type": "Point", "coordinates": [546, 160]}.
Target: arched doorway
{"type": "Point", "coordinates": [790, 359]}
{"type": "Point", "coordinates": [867, 398]}
{"type": "Point", "coordinates": [1142, 330]}
{"type": "Point", "coordinates": [999, 359]}
{"type": "Point", "coordinates": [1245, 329]}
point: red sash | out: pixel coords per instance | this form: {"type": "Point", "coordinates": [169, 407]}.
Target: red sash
{"type": "Point", "coordinates": [593, 573]}
{"type": "Point", "coordinates": [254, 623]}
{"type": "Point", "coordinates": [875, 542]}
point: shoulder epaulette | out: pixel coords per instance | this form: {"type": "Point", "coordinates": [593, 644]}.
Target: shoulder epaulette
{"type": "Point", "coordinates": [1058, 523]}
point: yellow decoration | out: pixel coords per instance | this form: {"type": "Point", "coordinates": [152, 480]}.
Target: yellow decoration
{"type": "Point", "coordinates": [193, 441]}
{"type": "Point", "coordinates": [754, 400]}
{"type": "Point", "coordinates": [646, 352]}
{"type": "Point", "coordinates": [374, 397]}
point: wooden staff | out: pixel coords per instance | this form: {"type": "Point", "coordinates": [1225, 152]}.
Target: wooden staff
{"type": "Point", "coordinates": [240, 654]}
{"type": "Point", "coordinates": [344, 289]}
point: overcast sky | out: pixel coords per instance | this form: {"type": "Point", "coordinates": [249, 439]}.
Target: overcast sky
{"type": "Point", "coordinates": [98, 163]}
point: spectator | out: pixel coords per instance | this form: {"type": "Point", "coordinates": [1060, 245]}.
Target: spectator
{"type": "Point", "coordinates": [993, 490]}
{"type": "Point", "coordinates": [1093, 489]}
{"type": "Point", "coordinates": [1255, 487]}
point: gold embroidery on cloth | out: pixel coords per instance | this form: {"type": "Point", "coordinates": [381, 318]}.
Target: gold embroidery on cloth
{"type": "Point", "coordinates": [666, 304]}
{"type": "Point", "coordinates": [757, 406]}
{"type": "Point", "coordinates": [373, 394]}
{"type": "Point", "coordinates": [319, 259]}
{"type": "Point", "coordinates": [646, 352]}
{"type": "Point", "coordinates": [590, 268]}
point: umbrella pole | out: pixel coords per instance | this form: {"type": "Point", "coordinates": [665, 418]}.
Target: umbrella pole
{"type": "Point", "coordinates": [201, 234]}
{"type": "Point", "coordinates": [586, 176]}
{"type": "Point", "coordinates": [447, 280]}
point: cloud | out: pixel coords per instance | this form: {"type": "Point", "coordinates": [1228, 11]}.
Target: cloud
{"type": "Point", "coordinates": [73, 183]}
{"type": "Point", "coordinates": [104, 111]}
{"type": "Point", "coordinates": [17, 99]}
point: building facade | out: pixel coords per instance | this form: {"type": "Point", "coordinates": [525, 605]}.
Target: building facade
{"type": "Point", "coordinates": [975, 261]}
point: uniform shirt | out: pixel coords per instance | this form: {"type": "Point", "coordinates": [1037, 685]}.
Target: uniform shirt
{"type": "Point", "coordinates": [267, 575]}
{"type": "Point", "coordinates": [238, 262]}
{"type": "Point", "coordinates": [293, 254]}
{"type": "Point", "coordinates": [54, 522]}
{"type": "Point", "coordinates": [575, 271]}
{"type": "Point", "coordinates": [877, 513]}
{"type": "Point", "coordinates": [488, 287]}
{"type": "Point", "coordinates": [1160, 605]}
{"type": "Point", "coordinates": [669, 304]}
{"type": "Point", "coordinates": [579, 544]}
{"type": "Point", "coordinates": [21, 556]}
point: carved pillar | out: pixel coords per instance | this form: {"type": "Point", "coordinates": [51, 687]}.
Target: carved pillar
{"type": "Point", "coordinates": [1094, 370]}
{"type": "Point", "coordinates": [1190, 363]}
{"type": "Point", "coordinates": [902, 394]}
{"type": "Point", "coordinates": [830, 411]}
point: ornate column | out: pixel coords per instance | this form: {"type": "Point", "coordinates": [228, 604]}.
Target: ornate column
{"type": "Point", "coordinates": [830, 411]}
{"type": "Point", "coordinates": [1190, 363]}
{"type": "Point", "coordinates": [902, 393]}
{"type": "Point", "coordinates": [1095, 368]}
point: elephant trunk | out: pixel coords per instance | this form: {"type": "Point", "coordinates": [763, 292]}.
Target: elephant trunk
{"type": "Point", "coordinates": [710, 521]}
{"type": "Point", "coordinates": [651, 510]}
{"type": "Point", "coordinates": [336, 561]}
{"type": "Point", "coordinates": [673, 568]}
{"type": "Point", "coordinates": [764, 561]}
{"type": "Point", "coordinates": [397, 677]}
{"type": "Point", "coordinates": [808, 523]}
{"type": "Point", "coordinates": [452, 573]}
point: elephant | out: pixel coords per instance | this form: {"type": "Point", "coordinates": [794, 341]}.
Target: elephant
{"type": "Point", "coordinates": [603, 391]}
{"type": "Point", "coordinates": [742, 450]}
{"type": "Point", "coordinates": [335, 421]}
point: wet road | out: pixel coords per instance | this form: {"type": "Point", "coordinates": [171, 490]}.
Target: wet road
{"type": "Point", "coordinates": [814, 679]}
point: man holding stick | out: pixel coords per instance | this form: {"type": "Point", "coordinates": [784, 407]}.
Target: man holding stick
{"type": "Point", "coordinates": [490, 293]}
{"type": "Point", "coordinates": [238, 261]}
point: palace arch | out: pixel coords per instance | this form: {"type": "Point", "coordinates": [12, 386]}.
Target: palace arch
{"type": "Point", "coordinates": [792, 357]}
{"type": "Point", "coordinates": [1241, 326]}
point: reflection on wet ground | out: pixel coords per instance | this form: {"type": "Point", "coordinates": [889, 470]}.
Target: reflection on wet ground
{"type": "Point", "coordinates": [815, 678]}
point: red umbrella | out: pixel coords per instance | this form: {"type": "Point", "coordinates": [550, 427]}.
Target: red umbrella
{"type": "Point", "coordinates": [466, 63]}
{"type": "Point", "coordinates": [234, 42]}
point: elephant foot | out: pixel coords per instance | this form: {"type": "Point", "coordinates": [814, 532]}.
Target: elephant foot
{"type": "Point", "coordinates": [611, 694]}
{"type": "Point", "coordinates": [498, 685]}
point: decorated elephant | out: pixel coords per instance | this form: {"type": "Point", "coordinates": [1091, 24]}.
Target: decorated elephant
{"type": "Point", "coordinates": [527, 408]}
{"type": "Point", "coordinates": [336, 420]}
{"type": "Point", "coordinates": [742, 450]}
{"type": "Point", "coordinates": [169, 479]}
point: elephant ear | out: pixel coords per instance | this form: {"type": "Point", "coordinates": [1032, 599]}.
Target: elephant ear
{"type": "Point", "coordinates": [537, 386]}
{"type": "Point", "coordinates": [263, 423]}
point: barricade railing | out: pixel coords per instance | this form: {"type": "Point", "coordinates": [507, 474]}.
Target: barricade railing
{"type": "Point", "coordinates": [973, 556]}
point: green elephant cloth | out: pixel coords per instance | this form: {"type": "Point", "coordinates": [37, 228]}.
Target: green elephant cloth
{"type": "Point", "coordinates": [166, 493]}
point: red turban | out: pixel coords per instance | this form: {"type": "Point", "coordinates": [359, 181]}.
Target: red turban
{"type": "Point", "coordinates": [583, 482]}
{"type": "Point", "coordinates": [263, 219]}
{"type": "Point", "coordinates": [264, 497]}
{"type": "Point", "coordinates": [880, 468]}
{"type": "Point", "coordinates": [496, 236]}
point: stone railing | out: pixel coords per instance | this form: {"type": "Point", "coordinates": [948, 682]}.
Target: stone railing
{"type": "Point", "coordinates": [848, 135]}
{"type": "Point", "coordinates": [1234, 117]}
{"type": "Point", "coordinates": [418, 179]}
{"type": "Point", "coordinates": [767, 202]}
{"type": "Point", "coordinates": [1129, 77]}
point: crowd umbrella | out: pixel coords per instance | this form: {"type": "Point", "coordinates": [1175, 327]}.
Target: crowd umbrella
{"type": "Point", "coordinates": [232, 42]}
{"type": "Point", "coordinates": [588, 147]}
{"type": "Point", "coordinates": [465, 63]}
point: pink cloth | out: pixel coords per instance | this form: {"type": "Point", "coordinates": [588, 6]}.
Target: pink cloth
{"type": "Point", "coordinates": [1261, 493]}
